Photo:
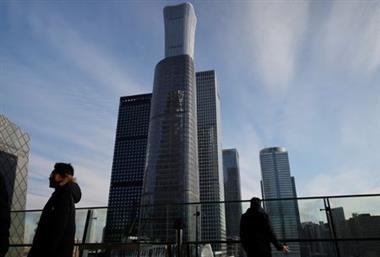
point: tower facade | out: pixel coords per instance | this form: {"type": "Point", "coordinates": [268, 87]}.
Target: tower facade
{"type": "Point", "coordinates": [277, 183]}
{"type": "Point", "coordinates": [232, 192]}
{"type": "Point", "coordinates": [128, 168]}
{"type": "Point", "coordinates": [14, 158]}
{"type": "Point", "coordinates": [232, 189]}
{"type": "Point", "coordinates": [213, 222]}
{"type": "Point", "coordinates": [171, 172]}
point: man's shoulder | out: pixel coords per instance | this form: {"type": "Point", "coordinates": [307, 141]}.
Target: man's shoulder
{"type": "Point", "coordinates": [61, 195]}
{"type": "Point", "coordinates": [259, 213]}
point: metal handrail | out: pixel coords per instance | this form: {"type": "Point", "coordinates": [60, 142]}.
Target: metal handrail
{"type": "Point", "coordinates": [232, 201]}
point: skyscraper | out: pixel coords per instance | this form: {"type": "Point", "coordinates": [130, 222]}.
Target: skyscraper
{"type": "Point", "coordinates": [171, 174]}
{"type": "Point", "coordinates": [14, 157]}
{"type": "Point", "coordinates": [128, 167]}
{"type": "Point", "coordinates": [210, 159]}
{"type": "Point", "coordinates": [232, 192]}
{"type": "Point", "coordinates": [277, 183]}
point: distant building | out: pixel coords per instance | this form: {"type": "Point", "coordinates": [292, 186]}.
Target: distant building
{"type": "Point", "coordinates": [171, 174]}
{"type": "Point", "coordinates": [362, 226]}
{"type": "Point", "coordinates": [14, 158]}
{"type": "Point", "coordinates": [232, 192]}
{"type": "Point", "coordinates": [314, 231]}
{"type": "Point", "coordinates": [128, 168]}
{"type": "Point", "coordinates": [213, 222]}
{"type": "Point", "coordinates": [277, 183]}
{"type": "Point", "coordinates": [338, 216]}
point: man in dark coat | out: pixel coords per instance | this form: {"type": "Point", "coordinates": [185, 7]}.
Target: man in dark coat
{"type": "Point", "coordinates": [256, 233]}
{"type": "Point", "coordinates": [56, 229]}
{"type": "Point", "coordinates": [5, 218]}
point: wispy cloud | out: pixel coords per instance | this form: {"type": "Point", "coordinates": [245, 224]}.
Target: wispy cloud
{"type": "Point", "coordinates": [350, 37]}
{"type": "Point", "coordinates": [301, 75]}
{"type": "Point", "coordinates": [91, 60]}
{"type": "Point", "coordinates": [75, 98]}
{"type": "Point", "coordinates": [346, 181]}
{"type": "Point", "coordinates": [277, 30]}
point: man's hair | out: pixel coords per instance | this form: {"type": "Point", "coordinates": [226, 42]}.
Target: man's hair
{"type": "Point", "coordinates": [63, 169]}
{"type": "Point", "coordinates": [255, 202]}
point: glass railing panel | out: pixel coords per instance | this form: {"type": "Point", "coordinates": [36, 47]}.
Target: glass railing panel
{"type": "Point", "coordinates": [360, 248]}
{"type": "Point", "coordinates": [356, 217]}
{"type": "Point", "coordinates": [80, 221]}
{"type": "Point", "coordinates": [27, 222]}
{"type": "Point", "coordinates": [91, 221]}
{"type": "Point", "coordinates": [285, 219]}
{"type": "Point", "coordinates": [21, 251]}
{"type": "Point", "coordinates": [233, 212]}
{"type": "Point", "coordinates": [318, 249]}
{"type": "Point", "coordinates": [313, 219]}
{"type": "Point", "coordinates": [304, 224]}
{"type": "Point", "coordinates": [96, 225]}
{"type": "Point", "coordinates": [31, 222]}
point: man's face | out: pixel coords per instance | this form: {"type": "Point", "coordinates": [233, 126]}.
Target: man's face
{"type": "Point", "coordinates": [55, 179]}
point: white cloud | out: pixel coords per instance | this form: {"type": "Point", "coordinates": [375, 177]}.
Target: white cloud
{"type": "Point", "coordinates": [345, 181]}
{"type": "Point", "coordinates": [94, 181]}
{"type": "Point", "coordinates": [40, 165]}
{"type": "Point", "coordinates": [66, 123]}
{"type": "Point", "coordinates": [85, 54]}
{"type": "Point", "coordinates": [276, 34]}
{"type": "Point", "coordinates": [350, 37]}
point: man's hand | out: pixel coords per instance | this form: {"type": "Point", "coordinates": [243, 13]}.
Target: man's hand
{"type": "Point", "coordinates": [285, 249]}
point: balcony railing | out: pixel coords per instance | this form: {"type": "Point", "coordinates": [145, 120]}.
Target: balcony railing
{"type": "Point", "coordinates": [326, 226]}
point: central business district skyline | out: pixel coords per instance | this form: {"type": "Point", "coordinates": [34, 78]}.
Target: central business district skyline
{"type": "Point", "coordinates": [168, 153]}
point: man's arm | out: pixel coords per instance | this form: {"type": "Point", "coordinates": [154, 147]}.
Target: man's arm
{"type": "Point", "coordinates": [272, 236]}
{"type": "Point", "coordinates": [5, 219]}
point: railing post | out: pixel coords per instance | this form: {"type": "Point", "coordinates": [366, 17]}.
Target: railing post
{"type": "Point", "coordinates": [170, 250]}
{"type": "Point", "coordinates": [330, 221]}
{"type": "Point", "coordinates": [88, 217]}
{"type": "Point", "coordinates": [197, 214]}
{"type": "Point", "coordinates": [179, 236]}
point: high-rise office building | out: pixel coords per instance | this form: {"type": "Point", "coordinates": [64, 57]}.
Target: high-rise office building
{"type": "Point", "coordinates": [277, 183]}
{"type": "Point", "coordinates": [14, 158]}
{"type": "Point", "coordinates": [128, 168]}
{"type": "Point", "coordinates": [171, 174]}
{"type": "Point", "coordinates": [213, 222]}
{"type": "Point", "coordinates": [232, 192]}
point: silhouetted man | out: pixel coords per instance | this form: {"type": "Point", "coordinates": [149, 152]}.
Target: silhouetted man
{"type": "Point", "coordinates": [56, 230]}
{"type": "Point", "coordinates": [5, 218]}
{"type": "Point", "coordinates": [256, 233]}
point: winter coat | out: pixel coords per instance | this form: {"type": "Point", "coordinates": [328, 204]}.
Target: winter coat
{"type": "Point", "coordinates": [56, 229]}
{"type": "Point", "coordinates": [256, 233]}
{"type": "Point", "coordinates": [5, 218]}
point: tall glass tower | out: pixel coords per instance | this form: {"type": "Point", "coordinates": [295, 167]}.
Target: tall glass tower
{"type": "Point", "coordinates": [128, 168]}
{"type": "Point", "coordinates": [277, 183]}
{"type": "Point", "coordinates": [213, 222]}
{"type": "Point", "coordinates": [171, 173]}
{"type": "Point", "coordinates": [14, 158]}
{"type": "Point", "coordinates": [232, 192]}
{"type": "Point", "coordinates": [232, 189]}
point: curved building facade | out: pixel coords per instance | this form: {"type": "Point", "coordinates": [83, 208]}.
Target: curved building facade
{"type": "Point", "coordinates": [180, 23]}
{"type": "Point", "coordinates": [171, 172]}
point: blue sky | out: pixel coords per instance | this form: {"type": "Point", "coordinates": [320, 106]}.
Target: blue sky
{"type": "Point", "coordinates": [303, 75]}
